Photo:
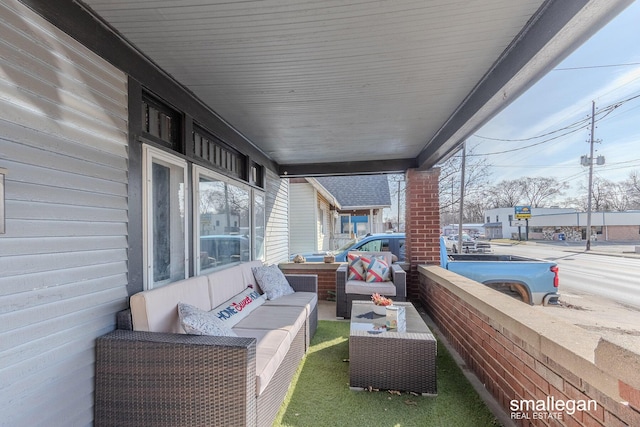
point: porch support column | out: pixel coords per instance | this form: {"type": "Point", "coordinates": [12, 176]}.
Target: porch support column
{"type": "Point", "coordinates": [422, 224]}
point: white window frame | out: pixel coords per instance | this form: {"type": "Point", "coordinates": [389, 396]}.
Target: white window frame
{"type": "Point", "coordinates": [200, 171]}
{"type": "Point", "coordinates": [149, 154]}
{"type": "Point", "coordinates": [254, 247]}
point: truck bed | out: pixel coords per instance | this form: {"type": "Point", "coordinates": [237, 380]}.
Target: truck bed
{"type": "Point", "coordinates": [489, 257]}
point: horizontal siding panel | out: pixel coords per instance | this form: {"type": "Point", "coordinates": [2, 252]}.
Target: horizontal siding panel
{"type": "Point", "coordinates": [74, 63]}
{"type": "Point", "coordinates": [39, 355]}
{"type": "Point", "coordinates": [25, 264]}
{"type": "Point", "coordinates": [47, 320]}
{"type": "Point", "coordinates": [45, 298]}
{"type": "Point", "coordinates": [14, 133]}
{"type": "Point", "coordinates": [63, 259]}
{"type": "Point", "coordinates": [43, 281]}
{"type": "Point", "coordinates": [33, 246]}
{"type": "Point", "coordinates": [54, 178]}
{"type": "Point", "coordinates": [60, 368]}
{"type": "Point", "coordinates": [35, 192]}
{"type": "Point", "coordinates": [35, 210]}
{"type": "Point", "coordinates": [58, 108]}
{"type": "Point", "coordinates": [25, 228]}
{"type": "Point", "coordinates": [90, 167]}
{"type": "Point", "coordinates": [61, 406]}
{"type": "Point", "coordinates": [66, 404]}
{"type": "Point", "coordinates": [34, 119]}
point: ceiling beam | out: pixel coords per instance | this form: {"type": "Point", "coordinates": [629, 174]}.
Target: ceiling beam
{"type": "Point", "coordinates": [347, 168]}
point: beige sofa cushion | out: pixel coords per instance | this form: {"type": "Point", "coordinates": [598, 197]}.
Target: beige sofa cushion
{"type": "Point", "coordinates": [156, 310]}
{"type": "Point", "coordinates": [224, 284]}
{"type": "Point", "coordinates": [367, 288]}
{"type": "Point", "coordinates": [308, 300]}
{"type": "Point", "coordinates": [289, 319]}
{"type": "Point", "coordinates": [271, 349]}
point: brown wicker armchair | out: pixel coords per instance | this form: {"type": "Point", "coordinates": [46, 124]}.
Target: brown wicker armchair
{"type": "Point", "coordinates": [344, 297]}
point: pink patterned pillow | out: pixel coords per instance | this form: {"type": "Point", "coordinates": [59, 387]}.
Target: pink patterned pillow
{"type": "Point", "coordinates": [356, 267]}
{"type": "Point", "coordinates": [367, 260]}
{"type": "Point", "coordinates": [378, 271]}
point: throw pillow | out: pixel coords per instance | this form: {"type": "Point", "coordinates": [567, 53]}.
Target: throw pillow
{"type": "Point", "coordinates": [367, 260]}
{"type": "Point", "coordinates": [378, 271]}
{"type": "Point", "coordinates": [238, 307]}
{"type": "Point", "coordinates": [195, 321]}
{"type": "Point", "coordinates": [356, 267]}
{"type": "Point", "coordinates": [272, 281]}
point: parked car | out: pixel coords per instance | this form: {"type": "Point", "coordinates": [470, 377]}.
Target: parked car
{"type": "Point", "coordinates": [533, 281]}
{"type": "Point", "coordinates": [393, 242]}
{"type": "Point", "coordinates": [469, 245]}
{"type": "Point", "coordinates": [216, 250]}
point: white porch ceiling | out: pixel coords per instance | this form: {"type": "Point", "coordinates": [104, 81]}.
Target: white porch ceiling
{"type": "Point", "coordinates": [336, 86]}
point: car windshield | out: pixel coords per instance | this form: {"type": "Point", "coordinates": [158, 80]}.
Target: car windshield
{"type": "Point", "coordinates": [345, 246]}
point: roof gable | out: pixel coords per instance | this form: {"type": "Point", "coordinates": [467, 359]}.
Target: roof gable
{"type": "Point", "coordinates": [358, 191]}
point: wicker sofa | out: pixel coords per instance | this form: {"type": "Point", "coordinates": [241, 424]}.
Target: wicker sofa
{"type": "Point", "coordinates": [150, 373]}
{"type": "Point", "coordinates": [348, 291]}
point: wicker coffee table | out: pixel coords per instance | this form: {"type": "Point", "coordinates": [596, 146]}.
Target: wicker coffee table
{"type": "Point", "coordinates": [389, 360]}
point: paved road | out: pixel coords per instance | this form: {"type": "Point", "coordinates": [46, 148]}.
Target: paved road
{"type": "Point", "coordinates": [600, 289]}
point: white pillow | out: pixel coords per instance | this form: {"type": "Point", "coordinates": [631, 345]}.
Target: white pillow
{"type": "Point", "coordinates": [272, 281]}
{"type": "Point", "coordinates": [238, 307]}
{"type": "Point", "coordinates": [195, 321]}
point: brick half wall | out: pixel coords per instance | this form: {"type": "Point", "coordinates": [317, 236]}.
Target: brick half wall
{"type": "Point", "coordinates": [326, 275]}
{"type": "Point", "coordinates": [520, 355]}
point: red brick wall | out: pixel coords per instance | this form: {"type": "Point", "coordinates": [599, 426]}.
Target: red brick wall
{"type": "Point", "coordinates": [422, 223]}
{"type": "Point", "coordinates": [326, 275]}
{"type": "Point", "coordinates": [511, 369]}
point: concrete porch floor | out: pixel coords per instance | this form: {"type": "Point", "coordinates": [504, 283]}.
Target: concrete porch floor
{"type": "Point", "coordinates": [327, 310]}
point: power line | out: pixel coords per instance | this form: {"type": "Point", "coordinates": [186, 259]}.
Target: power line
{"type": "Point", "coordinates": [586, 67]}
{"type": "Point", "coordinates": [605, 111]}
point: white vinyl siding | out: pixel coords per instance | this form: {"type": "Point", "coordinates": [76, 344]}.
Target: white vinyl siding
{"type": "Point", "coordinates": [277, 218]}
{"type": "Point", "coordinates": [324, 230]}
{"type": "Point", "coordinates": [303, 220]}
{"type": "Point", "coordinates": [63, 258]}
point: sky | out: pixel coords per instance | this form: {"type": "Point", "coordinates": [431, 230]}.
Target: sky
{"type": "Point", "coordinates": [605, 69]}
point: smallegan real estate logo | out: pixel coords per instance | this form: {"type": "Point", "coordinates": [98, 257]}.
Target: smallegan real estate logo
{"type": "Point", "coordinates": [549, 408]}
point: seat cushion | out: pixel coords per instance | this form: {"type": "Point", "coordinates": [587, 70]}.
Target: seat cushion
{"type": "Point", "coordinates": [271, 348]}
{"type": "Point", "coordinates": [156, 310]}
{"type": "Point", "coordinates": [308, 300]}
{"type": "Point", "coordinates": [364, 288]}
{"type": "Point", "coordinates": [225, 283]}
{"type": "Point", "coordinates": [286, 318]}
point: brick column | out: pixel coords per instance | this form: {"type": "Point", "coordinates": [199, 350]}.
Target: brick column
{"type": "Point", "coordinates": [422, 224]}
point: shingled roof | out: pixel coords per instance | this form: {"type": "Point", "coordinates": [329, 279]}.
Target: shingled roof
{"type": "Point", "coordinates": [358, 191]}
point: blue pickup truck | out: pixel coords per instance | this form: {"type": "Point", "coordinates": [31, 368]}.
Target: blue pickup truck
{"type": "Point", "coordinates": [533, 281]}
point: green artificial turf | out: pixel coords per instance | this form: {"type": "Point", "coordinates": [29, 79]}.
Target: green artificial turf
{"type": "Point", "coordinates": [320, 394]}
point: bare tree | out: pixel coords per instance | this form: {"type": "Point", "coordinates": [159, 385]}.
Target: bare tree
{"type": "Point", "coordinates": [631, 188]}
{"type": "Point", "coordinates": [606, 195]}
{"type": "Point", "coordinates": [538, 191]}
{"type": "Point", "coordinates": [506, 193]}
{"type": "Point", "coordinates": [476, 182]}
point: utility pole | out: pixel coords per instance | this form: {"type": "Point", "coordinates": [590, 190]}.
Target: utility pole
{"type": "Point", "coordinates": [460, 217]}
{"type": "Point", "coordinates": [593, 119]}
